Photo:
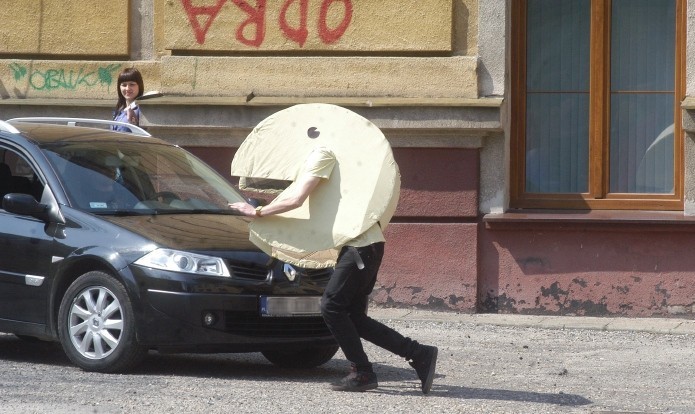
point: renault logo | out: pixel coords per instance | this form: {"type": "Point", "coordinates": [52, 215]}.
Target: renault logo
{"type": "Point", "coordinates": [290, 272]}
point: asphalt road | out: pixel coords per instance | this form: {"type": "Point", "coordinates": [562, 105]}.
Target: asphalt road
{"type": "Point", "coordinates": [483, 368]}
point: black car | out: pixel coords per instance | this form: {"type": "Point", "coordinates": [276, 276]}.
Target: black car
{"type": "Point", "coordinates": [116, 244]}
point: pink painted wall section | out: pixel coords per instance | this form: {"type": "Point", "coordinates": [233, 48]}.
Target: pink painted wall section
{"type": "Point", "coordinates": [587, 270]}
{"type": "Point", "coordinates": [435, 183]}
{"type": "Point", "coordinates": [438, 182]}
{"type": "Point", "coordinates": [429, 266]}
{"type": "Point", "coordinates": [433, 263]}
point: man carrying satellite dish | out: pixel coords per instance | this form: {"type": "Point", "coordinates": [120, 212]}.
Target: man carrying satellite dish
{"type": "Point", "coordinates": [343, 191]}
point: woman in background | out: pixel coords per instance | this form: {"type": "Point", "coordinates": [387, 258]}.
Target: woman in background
{"type": "Point", "coordinates": [130, 87]}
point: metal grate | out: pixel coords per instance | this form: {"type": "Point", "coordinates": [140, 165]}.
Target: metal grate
{"type": "Point", "coordinates": [258, 272]}
{"type": "Point", "coordinates": [249, 271]}
{"type": "Point", "coordinates": [318, 275]}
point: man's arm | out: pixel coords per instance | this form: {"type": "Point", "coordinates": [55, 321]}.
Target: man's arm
{"type": "Point", "coordinates": [298, 194]}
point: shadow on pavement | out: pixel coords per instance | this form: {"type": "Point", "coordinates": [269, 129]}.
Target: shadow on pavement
{"type": "Point", "coordinates": [392, 380]}
{"type": "Point", "coordinates": [232, 365]}
{"type": "Point", "coordinates": [390, 376]}
{"type": "Point", "coordinates": [519, 396]}
{"type": "Point", "coordinates": [29, 350]}
{"type": "Point", "coordinates": [467, 393]}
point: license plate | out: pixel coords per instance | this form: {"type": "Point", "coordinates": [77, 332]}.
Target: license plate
{"type": "Point", "coordinates": [290, 305]}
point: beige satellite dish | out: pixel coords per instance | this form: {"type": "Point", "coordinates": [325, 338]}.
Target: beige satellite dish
{"type": "Point", "coordinates": [362, 190]}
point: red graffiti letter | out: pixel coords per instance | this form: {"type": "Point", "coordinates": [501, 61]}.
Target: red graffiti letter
{"type": "Point", "coordinates": [195, 11]}
{"type": "Point", "coordinates": [330, 36]}
{"type": "Point", "coordinates": [256, 17]}
{"type": "Point", "coordinates": [299, 34]}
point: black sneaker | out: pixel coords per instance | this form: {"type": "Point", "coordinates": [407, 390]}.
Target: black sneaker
{"type": "Point", "coordinates": [357, 381]}
{"type": "Point", "coordinates": [425, 361]}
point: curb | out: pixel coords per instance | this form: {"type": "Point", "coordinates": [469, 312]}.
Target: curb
{"type": "Point", "coordinates": [650, 325]}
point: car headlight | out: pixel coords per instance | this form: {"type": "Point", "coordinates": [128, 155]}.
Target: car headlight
{"type": "Point", "coordinates": [178, 261]}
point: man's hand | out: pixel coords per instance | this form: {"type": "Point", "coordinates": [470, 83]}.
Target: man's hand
{"type": "Point", "coordinates": [294, 197]}
{"type": "Point", "coordinates": [245, 209]}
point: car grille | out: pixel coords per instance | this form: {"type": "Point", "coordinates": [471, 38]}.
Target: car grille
{"type": "Point", "coordinates": [269, 327]}
{"type": "Point", "coordinates": [318, 275]}
{"type": "Point", "coordinates": [249, 271]}
{"type": "Point", "coordinates": [257, 272]}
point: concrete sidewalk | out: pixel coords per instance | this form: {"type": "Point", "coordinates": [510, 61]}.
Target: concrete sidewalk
{"type": "Point", "coordinates": [651, 325]}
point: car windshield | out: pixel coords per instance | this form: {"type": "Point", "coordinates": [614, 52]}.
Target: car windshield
{"type": "Point", "coordinates": [110, 177]}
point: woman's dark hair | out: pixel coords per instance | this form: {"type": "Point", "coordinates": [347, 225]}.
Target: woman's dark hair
{"type": "Point", "coordinates": [128, 74]}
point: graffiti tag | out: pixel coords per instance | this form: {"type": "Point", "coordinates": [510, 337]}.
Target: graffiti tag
{"type": "Point", "coordinates": [52, 79]}
{"type": "Point", "coordinates": [251, 31]}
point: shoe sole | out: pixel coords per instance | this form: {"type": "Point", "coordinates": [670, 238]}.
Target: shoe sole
{"type": "Point", "coordinates": [427, 384]}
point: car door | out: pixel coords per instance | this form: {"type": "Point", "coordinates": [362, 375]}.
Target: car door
{"type": "Point", "coordinates": [25, 247]}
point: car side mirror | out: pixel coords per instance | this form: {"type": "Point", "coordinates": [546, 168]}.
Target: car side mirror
{"type": "Point", "coordinates": [26, 205]}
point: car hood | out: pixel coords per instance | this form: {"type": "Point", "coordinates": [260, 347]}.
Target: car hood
{"type": "Point", "coordinates": [190, 231]}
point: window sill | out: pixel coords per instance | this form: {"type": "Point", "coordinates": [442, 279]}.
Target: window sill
{"type": "Point", "coordinates": [599, 218]}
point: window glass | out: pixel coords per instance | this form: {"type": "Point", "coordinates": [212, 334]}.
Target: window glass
{"type": "Point", "coordinates": [115, 177]}
{"type": "Point", "coordinates": [596, 121]}
{"type": "Point", "coordinates": [642, 96]}
{"type": "Point", "coordinates": [557, 100]}
{"type": "Point", "coordinates": [17, 175]}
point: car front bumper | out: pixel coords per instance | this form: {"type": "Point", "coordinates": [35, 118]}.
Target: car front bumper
{"type": "Point", "coordinates": [177, 316]}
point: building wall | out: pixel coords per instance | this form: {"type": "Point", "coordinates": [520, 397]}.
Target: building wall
{"type": "Point", "coordinates": [412, 67]}
{"type": "Point", "coordinates": [595, 268]}
{"type": "Point", "coordinates": [433, 75]}
{"type": "Point", "coordinates": [333, 48]}
{"type": "Point", "coordinates": [432, 259]}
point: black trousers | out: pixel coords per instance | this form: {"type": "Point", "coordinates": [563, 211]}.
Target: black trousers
{"type": "Point", "coordinates": [344, 307]}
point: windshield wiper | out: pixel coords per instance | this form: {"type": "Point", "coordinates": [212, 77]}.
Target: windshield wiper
{"type": "Point", "coordinates": [199, 211]}
{"type": "Point", "coordinates": [125, 213]}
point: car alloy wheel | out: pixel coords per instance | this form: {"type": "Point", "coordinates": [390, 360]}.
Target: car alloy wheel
{"type": "Point", "coordinates": [97, 324]}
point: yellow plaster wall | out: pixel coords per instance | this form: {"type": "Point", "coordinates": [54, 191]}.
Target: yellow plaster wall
{"type": "Point", "coordinates": [326, 25]}
{"type": "Point", "coordinates": [465, 27]}
{"type": "Point", "coordinates": [318, 76]}
{"type": "Point", "coordinates": [410, 48]}
{"type": "Point", "coordinates": [62, 27]}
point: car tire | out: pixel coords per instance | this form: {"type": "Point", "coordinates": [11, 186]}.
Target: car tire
{"type": "Point", "coordinates": [301, 359]}
{"type": "Point", "coordinates": [96, 325]}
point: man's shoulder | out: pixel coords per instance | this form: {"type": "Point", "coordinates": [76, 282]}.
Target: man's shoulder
{"type": "Point", "coordinates": [320, 162]}
{"type": "Point", "coordinates": [323, 151]}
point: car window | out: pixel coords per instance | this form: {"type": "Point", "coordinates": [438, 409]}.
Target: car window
{"type": "Point", "coordinates": [17, 175]}
{"type": "Point", "coordinates": [136, 177]}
